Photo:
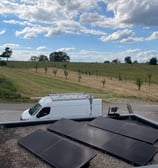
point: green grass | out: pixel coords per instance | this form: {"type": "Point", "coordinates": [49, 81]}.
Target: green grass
{"type": "Point", "coordinates": [33, 84]}
{"type": "Point", "coordinates": [7, 89]}
{"type": "Point", "coordinates": [125, 71]}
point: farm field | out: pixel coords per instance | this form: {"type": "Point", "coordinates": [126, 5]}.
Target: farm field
{"type": "Point", "coordinates": [123, 71]}
{"type": "Point", "coordinates": [32, 80]}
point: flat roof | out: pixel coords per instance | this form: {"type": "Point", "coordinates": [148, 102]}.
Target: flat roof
{"type": "Point", "coordinates": [13, 155]}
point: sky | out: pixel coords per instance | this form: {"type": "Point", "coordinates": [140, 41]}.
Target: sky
{"type": "Point", "coordinates": [87, 30]}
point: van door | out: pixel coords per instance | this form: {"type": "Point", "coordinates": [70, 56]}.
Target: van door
{"type": "Point", "coordinates": [44, 113]}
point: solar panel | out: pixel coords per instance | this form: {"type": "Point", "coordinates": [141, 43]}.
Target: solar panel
{"type": "Point", "coordinates": [38, 141]}
{"type": "Point", "coordinates": [120, 146]}
{"type": "Point", "coordinates": [66, 154]}
{"type": "Point", "coordinates": [142, 133]}
{"type": "Point", "coordinates": [107, 123]}
{"type": "Point", "coordinates": [64, 126]}
{"type": "Point", "coordinates": [57, 151]}
{"type": "Point", "coordinates": [139, 132]}
{"type": "Point", "coordinates": [92, 136]}
{"type": "Point", "coordinates": [131, 150]}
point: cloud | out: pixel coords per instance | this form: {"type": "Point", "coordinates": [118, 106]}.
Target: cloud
{"type": "Point", "coordinates": [23, 23]}
{"type": "Point", "coordinates": [120, 35]}
{"type": "Point", "coordinates": [31, 32]}
{"type": "Point", "coordinates": [54, 17]}
{"type": "Point", "coordinates": [41, 48]}
{"type": "Point", "coordinates": [2, 32]}
{"type": "Point", "coordinates": [90, 17]}
{"type": "Point", "coordinates": [131, 12]}
{"type": "Point", "coordinates": [153, 36]}
{"type": "Point", "coordinates": [65, 49]}
{"type": "Point", "coordinates": [11, 45]}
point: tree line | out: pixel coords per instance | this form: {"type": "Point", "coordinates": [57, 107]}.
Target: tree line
{"type": "Point", "coordinates": [61, 56]}
{"type": "Point", "coordinates": [53, 57]}
{"type": "Point", "coordinates": [127, 60]}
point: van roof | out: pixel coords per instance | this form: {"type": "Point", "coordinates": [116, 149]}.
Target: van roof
{"type": "Point", "coordinates": [45, 100]}
{"type": "Point", "coordinates": [70, 96]}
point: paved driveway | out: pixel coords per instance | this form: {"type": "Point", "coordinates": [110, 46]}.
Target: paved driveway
{"type": "Point", "coordinates": [12, 112]}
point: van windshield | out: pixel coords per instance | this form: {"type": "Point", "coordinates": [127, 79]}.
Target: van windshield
{"type": "Point", "coordinates": [35, 109]}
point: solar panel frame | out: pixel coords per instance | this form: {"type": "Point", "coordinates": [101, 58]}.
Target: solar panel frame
{"type": "Point", "coordinates": [139, 132]}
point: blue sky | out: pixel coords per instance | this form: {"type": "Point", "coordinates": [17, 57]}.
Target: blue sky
{"type": "Point", "coordinates": [87, 30]}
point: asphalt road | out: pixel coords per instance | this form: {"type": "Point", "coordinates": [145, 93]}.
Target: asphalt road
{"type": "Point", "coordinates": [12, 112]}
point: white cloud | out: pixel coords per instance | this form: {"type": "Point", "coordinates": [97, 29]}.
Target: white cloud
{"type": "Point", "coordinates": [153, 36]}
{"type": "Point", "coordinates": [120, 35]}
{"type": "Point", "coordinates": [41, 48]}
{"type": "Point", "coordinates": [31, 32]}
{"type": "Point", "coordinates": [134, 12]}
{"type": "Point", "coordinates": [55, 17]}
{"type": "Point", "coordinates": [24, 23]}
{"type": "Point", "coordinates": [89, 17]}
{"type": "Point", "coordinates": [2, 32]}
{"type": "Point", "coordinates": [65, 49]}
{"type": "Point", "coordinates": [11, 45]}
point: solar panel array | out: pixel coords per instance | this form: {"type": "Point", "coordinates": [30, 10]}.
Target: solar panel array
{"type": "Point", "coordinates": [55, 150]}
{"type": "Point", "coordinates": [132, 150]}
{"type": "Point", "coordinates": [139, 132]}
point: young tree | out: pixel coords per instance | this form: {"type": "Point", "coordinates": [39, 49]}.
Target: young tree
{"type": "Point", "coordinates": [46, 69]}
{"type": "Point", "coordinates": [139, 83]}
{"type": "Point", "coordinates": [79, 77]}
{"type": "Point", "coordinates": [36, 67]}
{"type": "Point", "coordinates": [103, 82]}
{"type": "Point", "coordinates": [66, 74]}
{"type": "Point", "coordinates": [55, 72]}
{"type": "Point", "coordinates": [149, 78]}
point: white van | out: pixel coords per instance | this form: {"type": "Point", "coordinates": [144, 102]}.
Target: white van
{"type": "Point", "coordinates": [68, 105]}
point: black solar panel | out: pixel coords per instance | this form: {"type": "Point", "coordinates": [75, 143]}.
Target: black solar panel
{"type": "Point", "coordinates": [92, 136]}
{"type": "Point", "coordinates": [139, 132]}
{"type": "Point", "coordinates": [38, 141]}
{"type": "Point", "coordinates": [131, 150]}
{"type": "Point", "coordinates": [64, 126]}
{"type": "Point", "coordinates": [107, 123]}
{"type": "Point", "coordinates": [142, 133]}
{"type": "Point", "coordinates": [57, 151]}
{"type": "Point", "coordinates": [66, 154]}
{"type": "Point", "coordinates": [120, 146]}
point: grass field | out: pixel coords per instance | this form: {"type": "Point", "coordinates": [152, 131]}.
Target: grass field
{"type": "Point", "coordinates": [32, 82]}
{"type": "Point", "coordinates": [118, 71]}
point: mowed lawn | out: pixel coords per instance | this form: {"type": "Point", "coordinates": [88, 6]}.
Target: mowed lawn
{"type": "Point", "coordinates": [32, 84]}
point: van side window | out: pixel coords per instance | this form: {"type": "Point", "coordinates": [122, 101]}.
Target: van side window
{"type": "Point", "coordinates": [45, 111]}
